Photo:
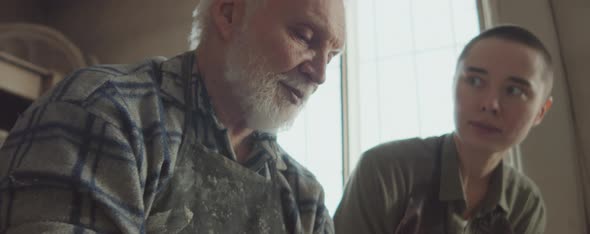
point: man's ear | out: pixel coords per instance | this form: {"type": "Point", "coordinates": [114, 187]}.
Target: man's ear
{"type": "Point", "coordinates": [546, 106]}
{"type": "Point", "coordinates": [227, 17]}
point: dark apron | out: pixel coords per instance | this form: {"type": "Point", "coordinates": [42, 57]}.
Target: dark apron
{"type": "Point", "coordinates": [426, 214]}
{"type": "Point", "coordinates": [210, 193]}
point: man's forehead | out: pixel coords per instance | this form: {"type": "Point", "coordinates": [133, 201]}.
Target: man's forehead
{"type": "Point", "coordinates": [325, 15]}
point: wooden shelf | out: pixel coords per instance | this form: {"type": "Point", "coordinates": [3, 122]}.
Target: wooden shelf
{"type": "Point", "coordinates": [20, 84]}
{"type": "Point", "coordinates": [22, 78]}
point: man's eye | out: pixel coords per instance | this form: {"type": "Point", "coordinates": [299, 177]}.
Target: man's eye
{"type": "Point", "coordinates": [304, 35]}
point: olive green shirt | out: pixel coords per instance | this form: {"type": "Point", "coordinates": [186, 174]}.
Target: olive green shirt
{"type": "Point", "coordinates": [414, 186]}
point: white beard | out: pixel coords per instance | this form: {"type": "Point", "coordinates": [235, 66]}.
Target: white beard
{"type": "Point", "coordinates": [265, 104]}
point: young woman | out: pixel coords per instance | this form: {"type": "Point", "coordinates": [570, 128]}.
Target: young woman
{"type": "Point", "coordinates": [458, 183]}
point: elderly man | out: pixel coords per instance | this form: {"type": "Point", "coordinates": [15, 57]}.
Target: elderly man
{"type": "Point", "coordinates": [184, 145]}
{"type": "Point", "coordinates": [458, 183]}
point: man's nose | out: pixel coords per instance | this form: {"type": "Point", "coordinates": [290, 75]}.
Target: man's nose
{"type": "Point", "coordinates": [315, 68]}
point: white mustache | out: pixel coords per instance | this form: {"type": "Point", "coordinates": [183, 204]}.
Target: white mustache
{"type": "Point", "coordinates": [300, 83]}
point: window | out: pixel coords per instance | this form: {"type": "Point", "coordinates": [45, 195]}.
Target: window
{"type": "Point", "coordinates": [315, 139]}
{"type": "Point", "coordinates": [399, 68]}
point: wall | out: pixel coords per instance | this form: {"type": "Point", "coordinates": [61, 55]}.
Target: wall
{"type": "Point", "coordinates": [572, 17]}
{"type": "Point", "coordinates": [31, 11]}
{"type": "Point", "coordinates": [124, 31]}
{"type": "Point", "coordinates": [549, 153]}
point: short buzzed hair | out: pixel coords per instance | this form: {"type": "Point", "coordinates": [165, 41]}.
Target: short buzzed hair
{"type": "Point", "coordinates": [519, 35]}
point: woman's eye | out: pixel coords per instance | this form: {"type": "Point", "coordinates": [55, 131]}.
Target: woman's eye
{"type": "Point", "coordinates": [514, 91]}
{"type": "Point", "coordinates": [474, 81]}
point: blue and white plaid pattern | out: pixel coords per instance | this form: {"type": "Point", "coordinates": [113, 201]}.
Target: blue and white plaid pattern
{"type": "Point", "coordinates": [91, 155]}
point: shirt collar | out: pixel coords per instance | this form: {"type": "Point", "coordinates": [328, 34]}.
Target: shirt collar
{"type": "Point", "coordinates": [450, 179]}
{"type": "Point", "coordinates": [264, 144]}
{"type": "Point", "coordinates": [267, 144]}
{"type": "Point", "coordinates": [503, 173]}
{"type": "Point", "coordinates": [451, 185]}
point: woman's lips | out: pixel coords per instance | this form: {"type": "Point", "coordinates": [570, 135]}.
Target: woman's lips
{"type": "Point", "coordinates": [485, 127]}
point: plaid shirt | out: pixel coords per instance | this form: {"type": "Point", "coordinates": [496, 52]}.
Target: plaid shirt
{"type": "Point", "coordinates": [92, 155]}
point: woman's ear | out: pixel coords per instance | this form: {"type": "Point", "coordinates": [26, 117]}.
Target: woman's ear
{"type": "Point", "coordinates": [546, 106]}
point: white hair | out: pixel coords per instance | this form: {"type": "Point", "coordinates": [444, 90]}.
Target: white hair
{"type": "Point", "coordinates": [202, 17]}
